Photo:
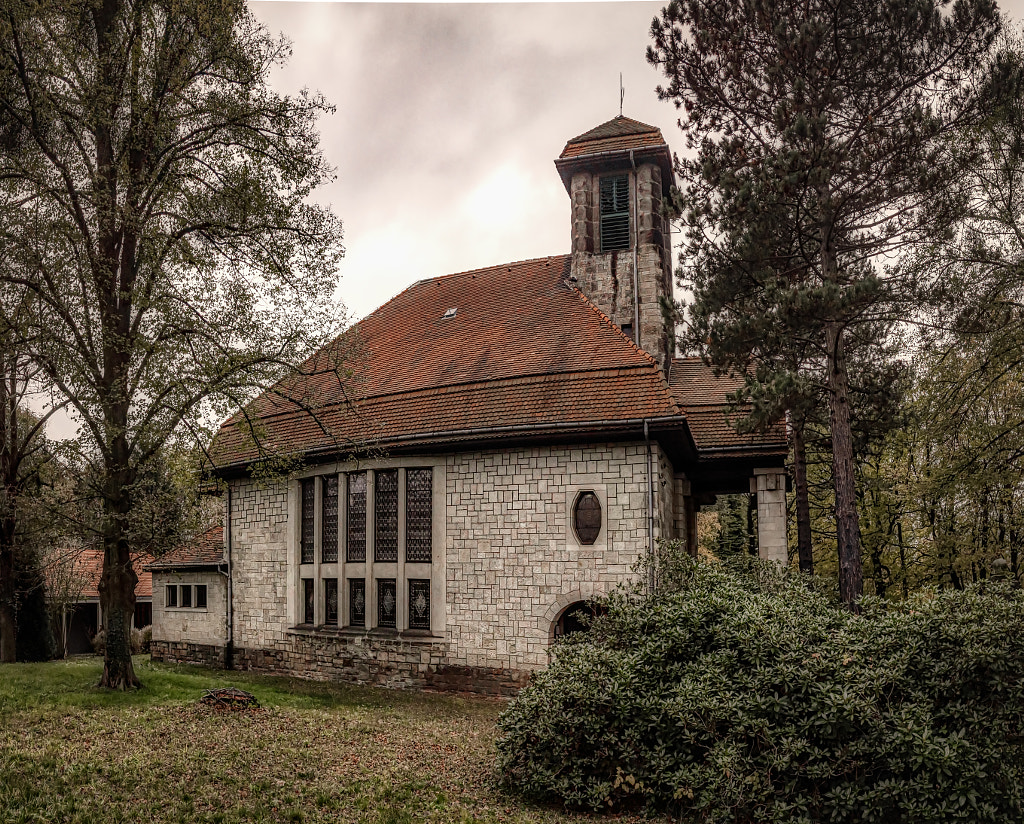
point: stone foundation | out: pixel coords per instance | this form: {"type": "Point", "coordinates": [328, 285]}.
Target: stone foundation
{"type": "Point", "coordinates": [413, 663]}
{"type": "Point", "coordinates": [179, 652]}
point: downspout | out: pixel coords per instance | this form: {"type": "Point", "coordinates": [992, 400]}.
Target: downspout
{"type": "Point", "coordinates": [650, 513]}
{"type": "Point", "coordinates": [636, 256]}
{"type": "Point", "coordinates": [229, 646]}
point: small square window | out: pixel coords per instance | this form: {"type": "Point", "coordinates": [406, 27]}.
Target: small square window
{"type": "Point", "coordinates": [172, 595]}
{"type": "Point", "coordinates": [200, 596]}
{"type": "Point", "coordinates": [186, 596]}
{"type": "Point", "coordinates": [357, 602]}
{"type": "Point", "coordinates": [331, 601]}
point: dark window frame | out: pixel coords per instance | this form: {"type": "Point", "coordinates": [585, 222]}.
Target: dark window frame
{"type": "Point", "coordinates": [307, 520]}
{"type": "Point", "coordinates": [384, 584]}
{"type": "Point", "coordinates": [613, 209]}
{"type": "Point", "coordinates": [355, 517]}
{"type": "Point", "coordinates": [416, 587]}
{"type": "Point", "coordinates": [587, 509]}
{"type": "Point", "coordinates": [331, 615]}
{"type": "Point", "coordinates": [357, 607]}
{"type": "Point", "coordinates": [329, 504]}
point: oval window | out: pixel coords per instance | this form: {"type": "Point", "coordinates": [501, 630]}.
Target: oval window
{"type": "Point", "coordinates": [586, 518]}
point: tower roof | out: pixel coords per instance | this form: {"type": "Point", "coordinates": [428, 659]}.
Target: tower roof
{"type": "Point", "coordinates": [616, 144]}
{"type": "Point", "coordinates": [619, 133]}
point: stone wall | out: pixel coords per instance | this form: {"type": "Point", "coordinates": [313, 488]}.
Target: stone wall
{"type": "Point", "coordinates": [512, 563]}
{"type": "Point", "coordinates": [513, 559]}
{"type": "Point", "coordinates": [183, 652]}
{"type": "Point", "coordinates": [195, 625]}
{"type": "Point", "coordinates": [396, 663]}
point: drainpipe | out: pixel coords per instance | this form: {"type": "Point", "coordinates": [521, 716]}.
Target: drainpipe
{"type": "Point", "coordinates": [636, 257]}
{"type": "Point", "coordinates": [229, 646]}
{"type": "Point", "coordinates": [650, 513]}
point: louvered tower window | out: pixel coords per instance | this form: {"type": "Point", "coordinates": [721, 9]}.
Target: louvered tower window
{"type": "Point", "coordinates": [614, 213]}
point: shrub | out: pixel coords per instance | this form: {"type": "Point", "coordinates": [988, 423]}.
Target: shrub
{"type": "Point", "coordinates": [743, 696]}
{"type": "Point", "coordinates": [138, 642]}
{"type": "Point", "coordinates": [145, 638]}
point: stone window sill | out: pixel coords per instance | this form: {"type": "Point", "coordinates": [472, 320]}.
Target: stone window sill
{"type": "Point", "coordinates": [415, 636]}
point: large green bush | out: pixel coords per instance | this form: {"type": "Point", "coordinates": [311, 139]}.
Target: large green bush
{"type": "Point", "coordinates": [742, 696]}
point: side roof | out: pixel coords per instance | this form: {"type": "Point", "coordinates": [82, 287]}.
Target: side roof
{"type": "Point", "coordinates": [705, 398]}
{"type": "Point", "coordinates": [87, 568]}
{"type": "Point", "coordinates": [205, 550]}
{"type": "Point", "coordinates": [524, 351]}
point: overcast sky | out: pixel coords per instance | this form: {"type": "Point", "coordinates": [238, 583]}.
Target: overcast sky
{"type": "Point", "coordinates": [449, 117]}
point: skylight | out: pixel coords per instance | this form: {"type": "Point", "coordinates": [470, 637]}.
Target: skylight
{"type": "Point", "coordinates": [450, 313]}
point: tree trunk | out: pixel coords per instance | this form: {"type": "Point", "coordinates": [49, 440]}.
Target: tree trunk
{"type": "Point", "coordinates": [803, 504]}
{"type": "Point", "coordinates": [8, 494]}
{"type": "Point", "coordinates": [117, 584]}
{"type": "Point", "coordinates": [851, 570]}
{"type": "Point", "coordinates": [8, 620]}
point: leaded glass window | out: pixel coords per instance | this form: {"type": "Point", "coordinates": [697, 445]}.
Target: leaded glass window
{"type": "Point", "coordinates": [419, 604]}
{"type": "Point", "coordinates": [614, 199]}
{"type": "Point", "coordinates": [172, 595]}
{"type": "Point", "coordinates": [385, 516]}
{"type": "Point", "coordinates": [200, 596]}
{"type": "Point", "coordinates": [357, 602]}
{"type": "Point", "coordinates": [418, 498]}
{"type": "Point", "coordinates": [387, 602]}
{"type": "Point", "coordinates": [587, 518]}
{"type": "Point", "coordinates": [308, 601]}
{"type": "Point", "coordinates": [329, 521]}
{"type": "Point", "coordinates": [355, 546]}
{"type": "Point", "coordinates": [331, 601]}
{"type": "Point", "coordinates": [306, 540]}
{"type": "Point", "coordinates": [186, 596]}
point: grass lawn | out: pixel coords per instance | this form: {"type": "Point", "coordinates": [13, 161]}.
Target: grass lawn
{"type": "Point", "coordinates": [314, 753]}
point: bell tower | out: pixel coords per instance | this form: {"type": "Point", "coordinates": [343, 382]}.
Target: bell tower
{"type": "Point", "coordinates": [617, 176]}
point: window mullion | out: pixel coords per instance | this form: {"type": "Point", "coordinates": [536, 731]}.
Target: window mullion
{"type": "Point", "coordinates": [401, 595]}
{"type": "Point", "coordinates": [371, 549]}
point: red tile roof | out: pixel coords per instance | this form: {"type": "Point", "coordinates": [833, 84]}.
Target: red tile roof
{"type": "Point", "coordinates": [206, 549]}
{"type": "Point", "coordinates": [524, 349]}
{"type": "Point", "coordinates": [87, 568]}
{"type": "Point", "coordinates": [619, 133]}
{"type": "Point", "coordinates": [704, 397]}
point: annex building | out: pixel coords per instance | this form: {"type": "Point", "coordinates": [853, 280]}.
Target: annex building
{"type": "Point", "coordinates": [507, 443]}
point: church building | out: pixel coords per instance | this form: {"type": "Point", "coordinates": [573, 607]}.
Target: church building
{"type": "Point", "coordinates": [506, 444]}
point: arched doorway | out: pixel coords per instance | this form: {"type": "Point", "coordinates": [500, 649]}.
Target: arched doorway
{"type": "Point", "coordinates": [577, 617]}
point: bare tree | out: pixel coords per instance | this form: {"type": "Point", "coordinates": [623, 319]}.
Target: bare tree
{"type": "Point", "coordinates": [160, 218]}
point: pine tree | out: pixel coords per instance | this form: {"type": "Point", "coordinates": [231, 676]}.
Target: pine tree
{"type": "Point", "coordinates": [824, 124]}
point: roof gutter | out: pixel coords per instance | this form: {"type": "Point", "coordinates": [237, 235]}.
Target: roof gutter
{"type": "Point", "coordinates": [650, 514]}
{"type": "Point", "coordinates": [229, 643]}
{"type": "Point", "coordinates": [510, 429]}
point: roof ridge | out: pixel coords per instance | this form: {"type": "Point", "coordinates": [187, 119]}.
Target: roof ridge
{"type": "Point", "coordinates": [476, 271]}
{"type": "Point", "coordinates": [660, 372]}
